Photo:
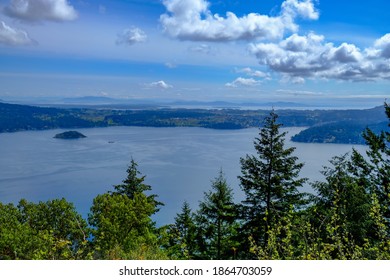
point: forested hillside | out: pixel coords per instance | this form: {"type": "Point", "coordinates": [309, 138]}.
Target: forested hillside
{"type": "Point", "coordinates": [341, 132]}
{"type": "Point", "coordinates": [22, 117]}
{"type": "Point", "coordinates": [324, 126]}
{"type": "Point", "coordinates": [348, 216]}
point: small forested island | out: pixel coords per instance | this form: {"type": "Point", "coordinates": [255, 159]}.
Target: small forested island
{"type": "Point", "coordinates": [70, 135]}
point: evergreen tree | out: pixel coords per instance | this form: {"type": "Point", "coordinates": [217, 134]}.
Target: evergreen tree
{"type": "Point", "coordinates": [134, 184]}
{"type": "Point", "coordinates": [379, 156]}
{"type": "Point", "coordinates": [270, 181]}
{"type": "Point", "coordinates": [182, 243]}
{"type": "Point", "coordinates": [374, 172]}
{"type": "Point", "coordinates": [342, 207]}
{"type": "Point", "coordinates": [217, 213]}
{"type": "Point", "coordinates": [122, 222]}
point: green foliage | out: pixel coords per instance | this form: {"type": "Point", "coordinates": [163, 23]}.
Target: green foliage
{"type": "Point", "coordinates": [57, 216]}
{"type": "Point", "coordinates": [16, 239]}
{"type": "Point", "coordinates": [379, 164]}
{"type": "Point", "coordinates": [279, 243]}
{"type": "Point", "coordinates": [217, 217]}
{"type": "Point", "coordinates": [47, 230]}
{"type": "Point", "coordinates": [134, 184]}
{"type": "Point", "coordinates": [378, 247]}
{"type": "Point", "coordinates": [270, 181]}
{"type": "Point", "coordinates": [339, 132]}
{"type": "Point", "coordinates": [348, 218]}
{"type": "Point", "coordinates": [121, 220]}
{"type": "Point", "coordinates": [336, 126]}
{"type": "Point", "coordinates": [342, 197]}
{"type": "Point", "coordinates": [182, 235]}
{"type": "Point", "coordinates": [373, 173]}
{"type": "Point", "coordinates": [22, 117]}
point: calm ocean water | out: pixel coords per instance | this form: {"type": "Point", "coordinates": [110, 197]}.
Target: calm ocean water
{"type": "Point", "coordinates": [179, 163]}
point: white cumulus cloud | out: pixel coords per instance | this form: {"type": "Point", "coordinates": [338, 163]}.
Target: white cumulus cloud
{"type": "Point", "coordinates": [40, 10]}
{"type": "Point", "coordinates": [305, 9]}
{"type": "Point", "coordinates": [253, 73]}
{"type": "Point", "coordinates": [131, 36]}
{"type": "Point", "coordinates": [12, 36]}
{"type": "Point", "coordinates": [159, 85]}
{"type": "Point", "coordinates": [300, 57]}
{"type": "Point", "coordinates": [382, 46]}
{"type": "Point", "coordinates": [243, 82]}
{"type": "Point", "coordinates": [192, 20]}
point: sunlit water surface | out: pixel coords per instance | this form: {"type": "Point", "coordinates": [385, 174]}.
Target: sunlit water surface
{"type": "Point", "coordinates": [179, 163]}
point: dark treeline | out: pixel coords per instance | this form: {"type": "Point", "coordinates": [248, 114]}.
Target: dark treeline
{"type": "Point", "coordinates": [324, 126]}
{"type": "Point", "coordinates": [348, 216]}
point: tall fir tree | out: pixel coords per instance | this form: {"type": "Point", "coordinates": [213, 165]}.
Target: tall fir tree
{"type": "Point", "coordinates": [134, 184]}
{"type": "Point", "coordinates": [122, 222]}
{"type": "Point", "coordinates": [270, 181]}
{"type": "Point", "coordinates": [218, 215]}
{"type": "Point", "coordinates": [182, 241]}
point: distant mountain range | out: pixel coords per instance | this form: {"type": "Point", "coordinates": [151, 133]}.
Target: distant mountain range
{"type": "Point", "coordinates": [323, 126]}
{"type": "Point", "coordinates": [91, 99]}
{"type": "Point", "coordinates": [102, 100]}
{"type": "Point", "coordinates": [141, 103]}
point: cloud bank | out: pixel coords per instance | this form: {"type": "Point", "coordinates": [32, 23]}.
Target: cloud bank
{"type": "Point", "coordinates": [13, 37]}
{"type": "Point", "coordinates": [192, 20]}
{"type": "Point", "coordinates": [275, 42]}
{"type": "Point", "coordinates": [310, 56]}
{"type": "Point", "coordinates": [41, 10]}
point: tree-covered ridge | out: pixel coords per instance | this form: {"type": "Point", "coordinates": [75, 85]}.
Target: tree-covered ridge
{"type": "Point", "coordinates": [341, 132]}
{"type": "Point", "coordinates": [348, 216]}
{"type": "Point", "coordinates": [22, 117]}
{"type": "Point", "coordinates": [325, 126]}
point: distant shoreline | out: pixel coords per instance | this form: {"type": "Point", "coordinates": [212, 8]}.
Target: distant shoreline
{"type": "Point", "coordinates": [323, 126]}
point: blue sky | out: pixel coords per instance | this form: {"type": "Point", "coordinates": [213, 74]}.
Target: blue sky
{"type": "Point", "coordinates": [309, 51]}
